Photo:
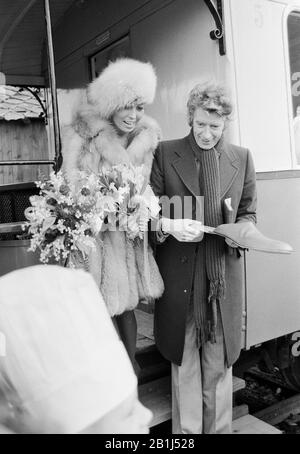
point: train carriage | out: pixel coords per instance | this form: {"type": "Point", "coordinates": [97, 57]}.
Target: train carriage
{"type": "Point", "coordinates": [253, 46]}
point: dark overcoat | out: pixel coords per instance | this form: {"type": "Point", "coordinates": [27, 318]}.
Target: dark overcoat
{"type": "Point", "coordinates": [174, 173]}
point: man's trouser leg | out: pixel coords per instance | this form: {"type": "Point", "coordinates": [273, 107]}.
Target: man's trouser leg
{"type": "Point", "coordinates": [187, 385]}
{"type": "Point", "coordinates": [216, 386]}
{"type": "Point", "coordinates": [201, 386]}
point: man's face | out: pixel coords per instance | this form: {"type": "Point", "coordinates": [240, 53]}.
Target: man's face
{"type": "Point", "coordinates": [208, 128]}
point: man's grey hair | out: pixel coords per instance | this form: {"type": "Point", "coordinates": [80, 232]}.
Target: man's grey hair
{"type": "Point", "coordinates": [211, 97]}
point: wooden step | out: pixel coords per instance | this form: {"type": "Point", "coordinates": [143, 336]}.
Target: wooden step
{"type": "Point", "coordinates": [239, 410]}
{"type": "Point", "coordinates": [156, 395]}
{"type": "Point", "coordinates": [237, 384]}
{"type": "Point", "coordinates": [144, 324]}
{"type": "Point", "coordinates": [145, 336]}
{"type": "Point", "coordinates": [248, 424]}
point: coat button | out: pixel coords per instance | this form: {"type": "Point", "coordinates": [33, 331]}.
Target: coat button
{"type": "Point", "coordinates": [184, 259]}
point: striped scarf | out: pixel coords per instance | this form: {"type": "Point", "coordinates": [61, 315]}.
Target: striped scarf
{"type": "Point", "coordinates": [209, 270]}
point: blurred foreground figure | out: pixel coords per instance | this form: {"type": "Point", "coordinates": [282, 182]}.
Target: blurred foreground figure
{"type": "Point", "coordinates": [64, 371]}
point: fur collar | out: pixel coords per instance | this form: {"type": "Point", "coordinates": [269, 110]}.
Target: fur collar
{"type": "Point", "coordinates": [92, 142]}
{"type": "Point", "coordinates": [143, 140]}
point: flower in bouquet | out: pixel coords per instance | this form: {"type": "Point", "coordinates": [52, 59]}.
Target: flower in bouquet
{"type": "Point", "coordinates": [131, 202]}
{"type": "Point", "coordinates": [64, 217]}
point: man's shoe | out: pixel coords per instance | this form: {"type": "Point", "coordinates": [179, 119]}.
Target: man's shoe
{"type": "Point", "coordinates": [247, 236]}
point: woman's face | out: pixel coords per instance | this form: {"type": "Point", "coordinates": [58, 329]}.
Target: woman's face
{"type": "Point", "coordinates": [130, 417]}
{"type": "Point", "coordinates": [125, 120]}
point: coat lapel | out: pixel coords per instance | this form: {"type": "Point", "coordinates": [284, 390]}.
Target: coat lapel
{"type": "Point", "coordinates": [185, 166]}
{"type": "Point", "coordinates": [229, 168]}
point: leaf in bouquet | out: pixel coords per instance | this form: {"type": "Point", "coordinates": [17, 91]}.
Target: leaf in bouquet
{"type": "Point", "coordinates": [70, 223]}
{"type": "Point", "coordinates": [50, 195]}
{"type": "Point", "coordinates": [132, 189]}
{"type": "Point", "coordinates": [103, 181]}
{"type": "Point", "coordinates": [85, 244]}
{"type": "Point", "coordinates": [51, 201]}
{"type": "Point", "coordinates": [48, 223]}
{"type": "Point", "coordinates": [125, 200]}
{"type": "Point", "coordinates": [47, 186]}
{"type": "Point", "coordinates": [67, 242]}
{"type": "Point", "coordinates": [51, 235]}
{"type": "Point", "coordinates": [119, 180]}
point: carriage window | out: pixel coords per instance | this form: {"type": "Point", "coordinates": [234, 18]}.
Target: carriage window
{"type": "Point", "coordinates": [294, 50]}
{"type": "Point", "coordinates": [120, 48]}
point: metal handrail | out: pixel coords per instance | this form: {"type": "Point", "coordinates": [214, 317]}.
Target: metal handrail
{"type": "Point", "coordinates": [12, 227]}
{"type": "Point", "coordinates": [53, 88]}
{"type": "Point", "coordinates": [25, 163]}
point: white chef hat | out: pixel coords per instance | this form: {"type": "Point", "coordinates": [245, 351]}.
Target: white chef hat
{"type": "Point", "coordinates": [63, 356]}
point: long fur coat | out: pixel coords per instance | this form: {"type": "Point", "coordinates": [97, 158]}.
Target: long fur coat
{"type": "Point", "coordinates": [117, 264]}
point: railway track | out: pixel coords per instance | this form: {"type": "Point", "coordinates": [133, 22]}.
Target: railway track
{"type": "Point", "coordinates": [270, 399]}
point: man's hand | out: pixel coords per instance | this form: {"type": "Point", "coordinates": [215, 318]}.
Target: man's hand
{"type": "Point", "coordinates": [184, 230]}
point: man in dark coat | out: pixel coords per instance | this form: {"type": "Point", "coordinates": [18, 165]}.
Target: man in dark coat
{"type": "Point", "coordinates": [198, 321]}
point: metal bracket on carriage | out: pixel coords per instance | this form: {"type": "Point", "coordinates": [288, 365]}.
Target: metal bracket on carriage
{"type": "Point", "coordinates": [219, 32]}
{"type": "Point", "coordinates": [36, 94]}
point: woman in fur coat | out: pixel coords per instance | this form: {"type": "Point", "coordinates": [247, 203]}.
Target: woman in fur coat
{"type": "Point", "coordinates": [112, 129]}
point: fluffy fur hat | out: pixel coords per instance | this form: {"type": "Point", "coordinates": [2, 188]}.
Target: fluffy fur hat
{"type": "Point", "coordinates": [121, 83]}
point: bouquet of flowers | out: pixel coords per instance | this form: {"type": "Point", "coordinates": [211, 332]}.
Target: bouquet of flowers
{"type": "Point", "coordinates": [64, 217]}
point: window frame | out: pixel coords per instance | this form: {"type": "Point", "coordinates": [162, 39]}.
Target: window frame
{"type": "Point", "coordinates": [110, 45]}
{"type": "Point", "coordinates": [288, 70]}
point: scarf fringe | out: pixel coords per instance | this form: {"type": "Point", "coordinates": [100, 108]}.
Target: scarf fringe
{"type": "Point", "coordinates": [216, 293]}
{"type": "Point", "coordinates": [216, 290]}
